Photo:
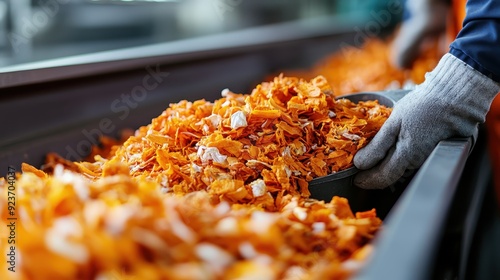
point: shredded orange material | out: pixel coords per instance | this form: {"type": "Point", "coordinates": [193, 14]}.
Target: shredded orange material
{"type": "Point", "coordinates": [286, 131]}
{"type": "Point", "coordinates": [118, 227]}
{"type": "Point", "coordinates": [369, 68]}
{"type": "Point", "coordinates": [208, 190]}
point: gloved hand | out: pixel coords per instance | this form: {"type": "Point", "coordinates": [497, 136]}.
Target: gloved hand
{"type": "Point", "coordinates": [427, 19]}
{"type": "Point", "coordinates": [451, 102]}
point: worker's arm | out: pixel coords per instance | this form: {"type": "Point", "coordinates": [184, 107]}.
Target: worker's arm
{"type": "Point", "coordinates": [423, 19]}
{"type": "Point", "coordinates": [478, 43]}
{"type": "Point", "coordinates": [453, 99]}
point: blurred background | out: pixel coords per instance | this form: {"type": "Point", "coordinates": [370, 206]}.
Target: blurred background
{"type": "Point", "coordinates": [34, 30]}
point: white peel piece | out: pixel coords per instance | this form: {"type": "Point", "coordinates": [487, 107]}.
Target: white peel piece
{"type": "Point", "coordinates": [238, 119]}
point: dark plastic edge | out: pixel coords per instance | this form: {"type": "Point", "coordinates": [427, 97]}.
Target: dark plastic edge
{"type": "Point", "coordinates": [334, 177]}
{"type": "Point", "coordinates": [382, 98]}
{"type": "Point", "coordinates": [413, 229]}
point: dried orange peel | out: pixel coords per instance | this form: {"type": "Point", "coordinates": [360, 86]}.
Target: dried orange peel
{"type": "Point", "coordinates": [208, 190]}
{"type": "Point", "coordinates": [369, 67]}
{"type": "Point", "coordinates": [119, 227]}
{"type": "Point", "coordinates": [285, 133]}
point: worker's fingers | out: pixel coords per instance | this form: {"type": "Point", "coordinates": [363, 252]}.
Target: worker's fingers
{"type": "Point", "coordinates": [379, 146]}
{"type": "Point", "coordinates": [386, 172]}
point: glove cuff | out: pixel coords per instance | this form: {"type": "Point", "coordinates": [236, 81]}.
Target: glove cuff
{"type": "Point", "coordinates": [457, 82]}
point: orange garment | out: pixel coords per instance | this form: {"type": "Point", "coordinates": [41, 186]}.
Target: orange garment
{"type": "Point", "coordinates": [456, 18]}
{"type": "Point", "coordinates": [493, 128]}
{"type": "Point", "coordinates": [493, 117]}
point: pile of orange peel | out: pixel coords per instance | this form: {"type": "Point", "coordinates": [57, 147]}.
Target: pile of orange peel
{"type": "Point", "coordinates": [208, 190]}
{"type": "Point", "coordinates": [369, 68]}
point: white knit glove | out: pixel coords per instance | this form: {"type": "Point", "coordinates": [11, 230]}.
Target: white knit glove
{"type": "Point", "coordinates": [428, 19]}
{"type": "Point", "coordinates": [450, 103]}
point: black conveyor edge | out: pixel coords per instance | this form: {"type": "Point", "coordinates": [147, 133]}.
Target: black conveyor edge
{"type": "Point", "coordinates": [406, 246]}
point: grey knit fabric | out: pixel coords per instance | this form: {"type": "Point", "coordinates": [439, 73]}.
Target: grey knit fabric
{"type": "Point", "coordinates": [451, 102]}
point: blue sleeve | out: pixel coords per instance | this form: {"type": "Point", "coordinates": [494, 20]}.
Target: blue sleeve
{"type": "Point", "coordinates": [478, 43]}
